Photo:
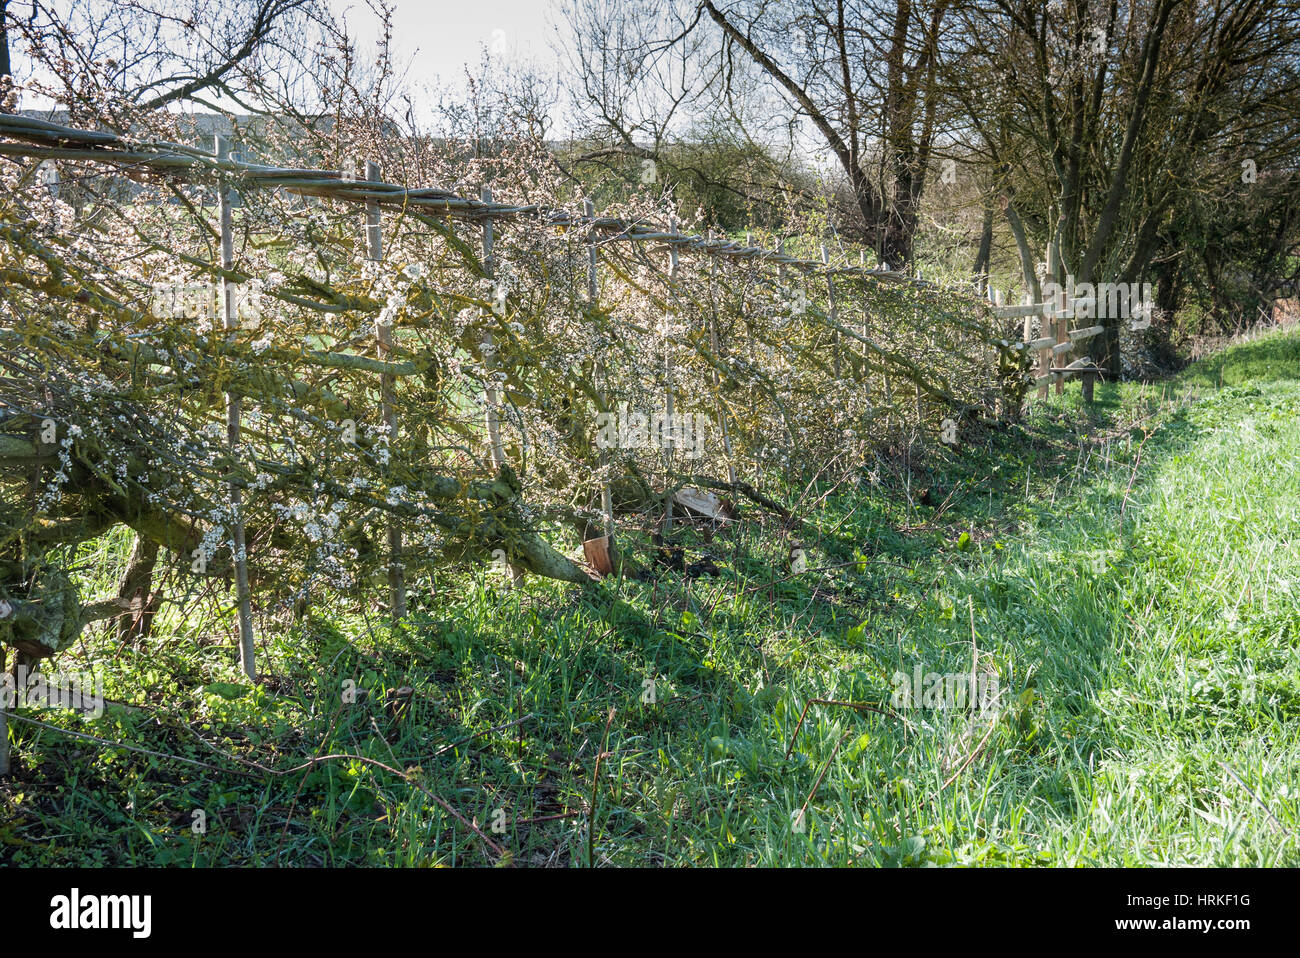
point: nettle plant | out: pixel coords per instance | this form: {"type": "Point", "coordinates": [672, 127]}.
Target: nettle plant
{"type": "Point", "coordinates": [444, 375]}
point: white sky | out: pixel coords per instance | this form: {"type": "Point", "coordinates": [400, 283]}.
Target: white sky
{"type": "Point", "coordinates": [436, 38]}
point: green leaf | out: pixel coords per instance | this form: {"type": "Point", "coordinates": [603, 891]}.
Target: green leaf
{"type": "Point", "coordinates": [860, 745]}
{"type": "Point", "coordinates": [228, 690]}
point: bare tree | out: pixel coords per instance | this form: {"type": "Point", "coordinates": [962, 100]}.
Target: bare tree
{"type": "Point", "coordinates": [856, 77]}
{"type": "Point", "coordinates": [114, 61]}
{"type": "Point", "coordinates": [1102, 123]}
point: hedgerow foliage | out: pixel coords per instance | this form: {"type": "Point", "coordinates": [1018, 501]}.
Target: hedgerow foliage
{"type": "Point", "coordinates": [116, 371]}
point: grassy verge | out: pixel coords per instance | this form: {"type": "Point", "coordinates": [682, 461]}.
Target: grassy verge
{"type": "Point", "coordinates": [1123, 580]}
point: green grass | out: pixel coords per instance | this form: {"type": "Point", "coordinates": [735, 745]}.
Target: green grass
{"type": "Point", "coordinates": [1268, 359]}
{"type": "Point", "coordinates": [1130, 573]}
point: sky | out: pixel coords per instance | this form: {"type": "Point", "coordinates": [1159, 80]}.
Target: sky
{"type": "Point", "coordinates": [436, 38]}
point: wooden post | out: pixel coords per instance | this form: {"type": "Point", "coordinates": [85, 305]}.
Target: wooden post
{"type": "Point", "coordinates": [1089, 379]}
{"type": "Point", "coordinates": [669, 409]}
{"type": "Point", "coordinates": [1062, 331]}
{"type": "Point", "coordinates": [493, 395]}
{"type": "Point", "coordinates": [387, 392]}
{"type": "Point", "coordinates": [717, 380]}
{"type": "Point", "coordinates": [780, 283]}
{"type": "Point", "coordinates": [229, 317]}
{"type": "Point", "coordinates": [4, 720]}
{"type": "Point", "coordinates": [593, 289]}
{"type": "Point", "coordinates": [889, 393]}
{"type": "Point", "coordinates": [867, 405]}
{"type": "Point", "coordinates": [1058, 305]}
{"type": "Point", "coordinates": [489, 351]}
{"type": "Point", "coordinates": [1027, 334]}
{"type": "Point", "coordinates": [749, 243]}
{"type": "Point", "coordinates": [830, 296]}
{"type": "Point", "coordinates": [1046, 313]}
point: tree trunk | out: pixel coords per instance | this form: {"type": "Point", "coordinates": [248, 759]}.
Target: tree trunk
{"type": "Point", "coordinates": [4, 40]}
{"type": "Point", "coordinates": [136, 587]}
{"type": "Point", "coordinates": [1169, 288]}
{"type": "Point", "coordinates": [900, 232]}
{"type": "Point", "coordinates": [1111, 359]}
{"type": "Point", "coordinates": [1027, 264]}
{"type": "Point", "coordinates": [985, 253]}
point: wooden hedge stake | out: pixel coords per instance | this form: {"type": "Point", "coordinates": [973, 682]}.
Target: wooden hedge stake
{"type": "Point", "coordinates": [868, 407]}
{"type": "Point", "coordinates": [830, 299]}
{"type": "Point", "coordinates": [4, 720]}
{"type": "Point", "coordinates": [669, 415]}
{"type": "Point", "coordinates": [1058, 307]}
{"type": "Point", "coordinates": [752, 279]}
{"type": "Point", "coordinates": [489, 349]}
{"type": "Point", "coordinates": [593, 291]}
{"type": "Point", "coordinates": [387, 399]}
{"type": "Point", "coordinates": [717, 380]}
{"type": "Point", "coordinates": [1046, 312]}
{"type": "Point", "coordinates": [780, 285]}
{"type": "Point", "coordinates": [493, 395]}
{"type": "Point", "coordinates": [230, 321]}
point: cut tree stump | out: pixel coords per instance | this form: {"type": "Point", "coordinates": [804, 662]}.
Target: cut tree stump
{"type": "Point", "coordinates": [600, 554]}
